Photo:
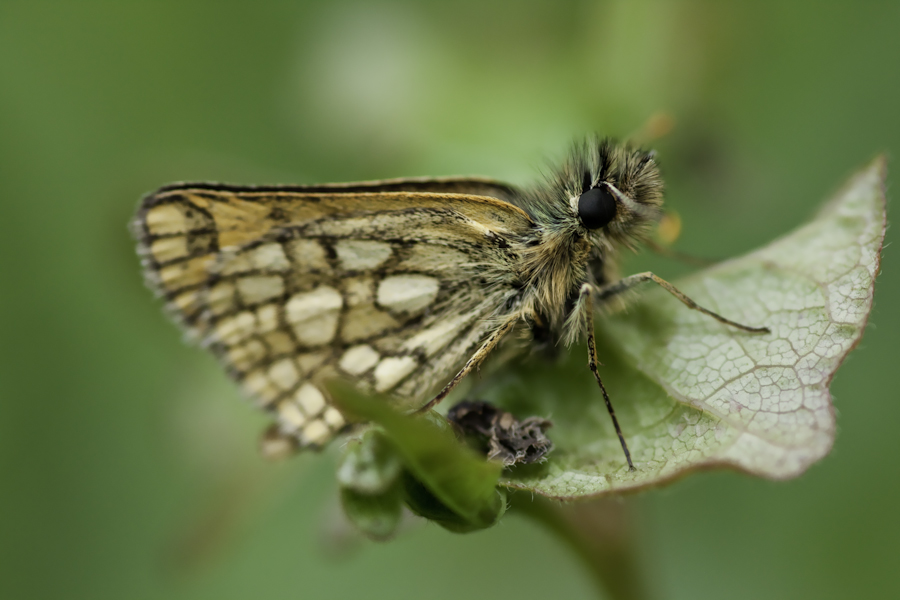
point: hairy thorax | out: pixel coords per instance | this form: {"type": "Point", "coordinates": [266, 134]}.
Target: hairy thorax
{"type": "Point", "coordinates": [553, 273]}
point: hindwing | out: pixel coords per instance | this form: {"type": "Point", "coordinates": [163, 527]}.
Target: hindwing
{"type": "Point", "coordinates": [390, 284]}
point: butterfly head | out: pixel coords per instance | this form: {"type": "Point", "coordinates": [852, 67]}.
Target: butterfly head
{"type": "Point", "coordinates": [615, 192]}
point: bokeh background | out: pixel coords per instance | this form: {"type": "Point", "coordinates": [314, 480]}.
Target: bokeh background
{"type": "Point", "coordinates": [128, 466]}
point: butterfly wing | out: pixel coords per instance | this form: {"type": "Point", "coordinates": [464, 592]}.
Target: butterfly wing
{"type": "Point", "coordinates": [291, 286]}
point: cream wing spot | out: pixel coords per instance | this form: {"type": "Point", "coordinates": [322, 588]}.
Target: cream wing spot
{"type": "Point", "coordinates": [361, 255]}
{"type": "Point", "coordinates": [284, 373]}
{"type": "Point", "coordinates": [392, 370]}
{"type": "Point", "coordinates": [245, 356]}
{"type": "Point", "coordinates": [316, 433]}
{"type": "Point", "coordinates": [260, 288]}
{"type": "Point", "coordinates": [255, 382]}
{"type": "Point", "coordinates": [266, 257]}
{"type": "Point", "coordinates": [187, 302]}
{"type": "Point", "coordinates": [258, 386]}
{"type": "Point", "coordinates": [314, 315]}
{"type": "Point", "coordinates": [363, 322]}
{"type": "Point", "coordinates": [317, 332]}
{"type": "Point", "coordinates": [359, 359]}
{"type": "Point", "coordinates": [269, 257]}
{"type": "Point", "coordinates": [310, 399]}
{"type": "Point", "coordinates": [232, 330]}
{"type": "Point", "coordinates": [358, 290]}
{"type": "Point", "coordinates": [290, 416]}
{"type": "Point", "coordinates": [189, 272]}
{"type": "Point", "coordinates": [267, 317]}
{"type": "Point", "coordinates": [234, 263]}
{"type": "Point", "coordinates": [308, 305]}
{"type": "Point", "coordinates": [407, 293]}
{"type": "Point", "coordinates": [309, 254]}
{"type": "Point", "coordinates": [221, 298]}
{"type": "Point", "coordinates": [165, 219]}
{"type": "Point", "coordinates": [166, 249]}
{"type": "Point", "coordinates": [334, 418]}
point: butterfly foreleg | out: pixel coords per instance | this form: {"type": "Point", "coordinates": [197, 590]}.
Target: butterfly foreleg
{"type": "Point", "coordinates": [585, 308]}
{"type": "Point", "coordinates": [626, 283]}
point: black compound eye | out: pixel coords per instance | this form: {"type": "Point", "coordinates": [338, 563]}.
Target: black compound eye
{"type": "Point", "coordinates": [596, 207]}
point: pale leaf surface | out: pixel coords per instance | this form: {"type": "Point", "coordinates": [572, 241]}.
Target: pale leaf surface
{"type": "Point", "coordinates": [691, 393]}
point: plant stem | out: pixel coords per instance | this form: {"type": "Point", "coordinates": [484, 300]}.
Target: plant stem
{"type": "Point", "coordinates": [599, 533]}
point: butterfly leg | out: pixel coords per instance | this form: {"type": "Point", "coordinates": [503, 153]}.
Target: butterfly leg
{"type": "Point", "coordinates": [473, 363]}
{"type": "Point", "coordinates": [586, 308]}
{"type": "Point", "coordinates": [626, 283]}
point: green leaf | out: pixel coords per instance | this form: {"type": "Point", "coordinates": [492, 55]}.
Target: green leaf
{"type": "Point", "coordinates": [691, 393]}
{"type": "Point", "coordinates": [370, 464]}
{"type": "Point", "coordinates": [371, 487]}
{"type": "Point", "coordinates": [449, 482]}
{"type": "Point", "coordinates": [375, 515]}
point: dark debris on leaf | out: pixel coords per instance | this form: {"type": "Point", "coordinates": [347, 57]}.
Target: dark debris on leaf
{"type": "Point", "coordinates": [502, 436]}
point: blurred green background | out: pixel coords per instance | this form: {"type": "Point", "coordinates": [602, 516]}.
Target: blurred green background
{"type": "Point", "coordinates": [128, 462]}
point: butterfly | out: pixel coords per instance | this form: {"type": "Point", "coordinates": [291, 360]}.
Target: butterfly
{"type": "Point", "coordinates": [401, 286]}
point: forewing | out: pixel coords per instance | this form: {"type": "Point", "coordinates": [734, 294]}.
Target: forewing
{"type": "Point", "coordinates": [469, 186]}
{"type": "Point", "coordinates": [290, 287]}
